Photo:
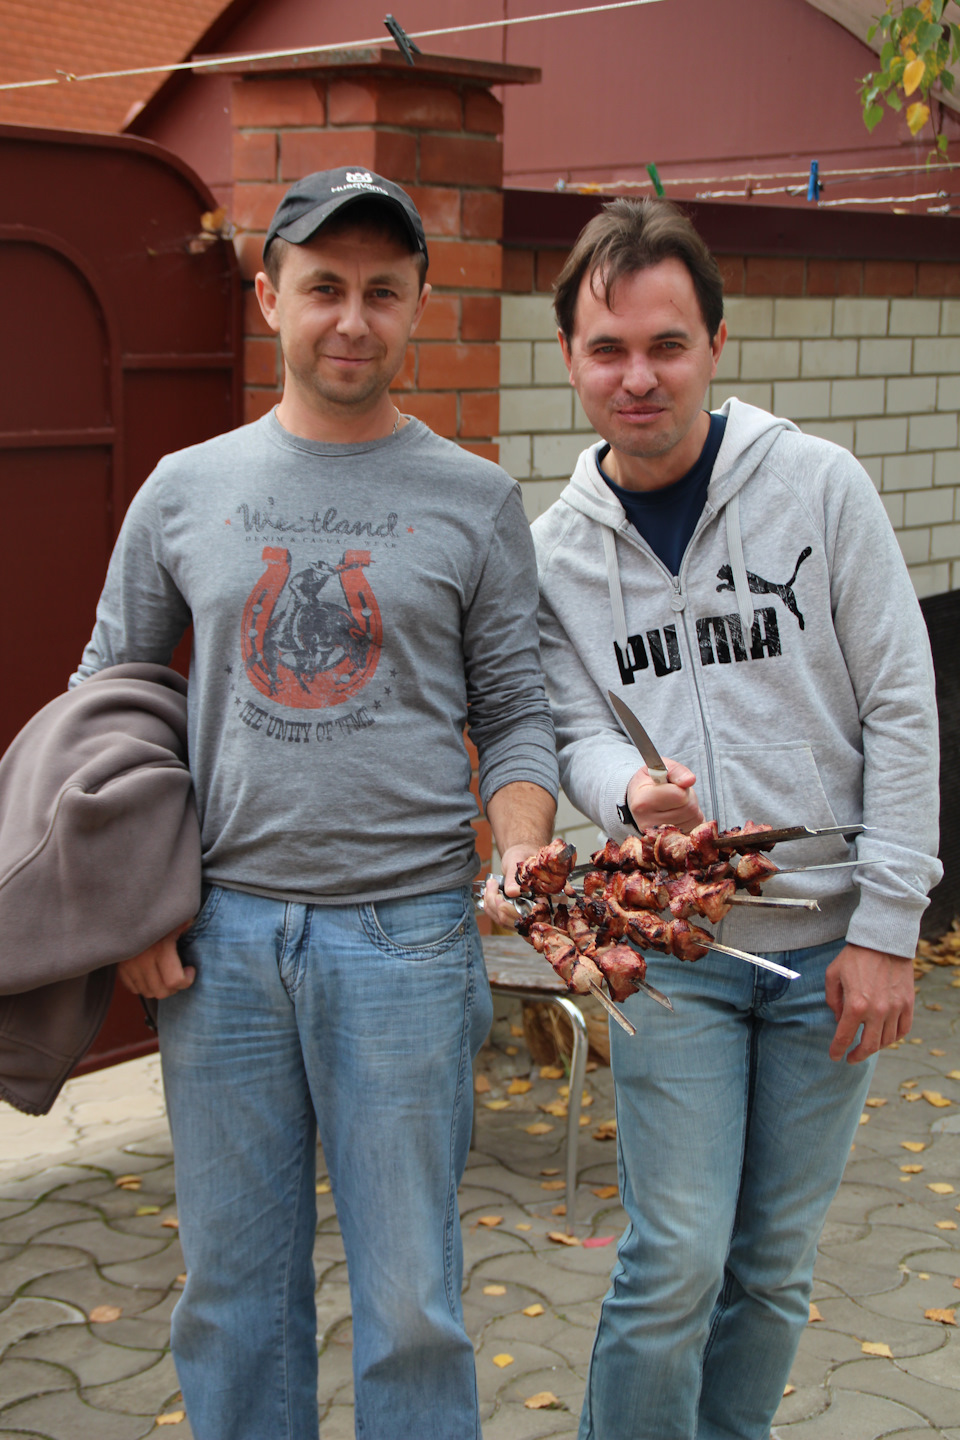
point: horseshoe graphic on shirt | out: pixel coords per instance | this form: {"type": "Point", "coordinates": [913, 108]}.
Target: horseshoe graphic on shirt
{"type": "Point", "coordinates": [301, 646]}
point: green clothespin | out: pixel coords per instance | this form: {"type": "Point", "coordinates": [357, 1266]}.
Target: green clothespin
{"type": "Point", "coordinates": [657, 182]}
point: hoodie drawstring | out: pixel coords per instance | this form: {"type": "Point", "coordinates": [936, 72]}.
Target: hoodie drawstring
{"type": "Point", "coordinates": [613, 584]}
{"type": "Point", "coordinates": [738, 568]}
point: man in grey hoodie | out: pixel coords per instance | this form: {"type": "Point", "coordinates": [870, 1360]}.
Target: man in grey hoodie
{"type": "Point", "coordinates": [739, 585]}
{"type": "Point", "coordinates": [360, 590]}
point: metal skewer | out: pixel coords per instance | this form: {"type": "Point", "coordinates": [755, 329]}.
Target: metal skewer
{"type": "Point", "coordinates": [782, 902]}
{"type": "Point", "coordinates": [757, 960]}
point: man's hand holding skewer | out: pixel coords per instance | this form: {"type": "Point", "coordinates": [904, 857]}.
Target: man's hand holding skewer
{"type": "Point", "coordinates": [672, 803]}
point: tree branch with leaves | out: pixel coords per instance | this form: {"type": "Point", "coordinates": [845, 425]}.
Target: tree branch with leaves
{"type": "Point", "coordinates": [919, 46]}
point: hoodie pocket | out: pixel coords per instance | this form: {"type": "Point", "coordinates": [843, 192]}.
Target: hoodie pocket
{"type": "Point", "coordinates": [780, 785]}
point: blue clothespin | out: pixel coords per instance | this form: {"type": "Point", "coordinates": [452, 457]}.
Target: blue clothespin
{"type": "Point", "coordinates": [813, 184]}
{"type": "Point", "coordinates": [404, 43]}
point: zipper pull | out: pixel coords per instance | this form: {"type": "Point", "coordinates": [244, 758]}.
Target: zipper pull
{"type": "Point", "coordinates": [678, 601]}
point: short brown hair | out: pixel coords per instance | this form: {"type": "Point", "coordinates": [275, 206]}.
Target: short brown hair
{"type": "Point", "coordinates": [632, 235]}
{"type": "Point", "coordinates": [370, 215]}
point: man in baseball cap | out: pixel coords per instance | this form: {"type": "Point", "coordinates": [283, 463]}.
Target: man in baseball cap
{"type": "Point", "coordinates": [356, 585]}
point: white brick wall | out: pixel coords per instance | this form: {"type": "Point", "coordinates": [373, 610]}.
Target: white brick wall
{"type": "Point", "coordinates": [880, 377]}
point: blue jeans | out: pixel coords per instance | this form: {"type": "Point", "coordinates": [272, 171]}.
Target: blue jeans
{"type": "Point", "coordinates": [733, 1128]}
{"type": "Point", "coordinates": [362, 1021]}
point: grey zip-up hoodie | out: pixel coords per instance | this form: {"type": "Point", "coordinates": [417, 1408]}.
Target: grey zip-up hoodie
{"type": "Point", "coordinates": [787, 665]}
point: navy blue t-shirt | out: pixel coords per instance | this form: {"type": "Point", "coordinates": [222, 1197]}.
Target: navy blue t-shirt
{"type": "Point", "coordinates": [667, 518]}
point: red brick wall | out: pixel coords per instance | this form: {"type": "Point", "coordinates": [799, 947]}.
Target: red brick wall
{"type": "Point", "coordinates": [440, 141]}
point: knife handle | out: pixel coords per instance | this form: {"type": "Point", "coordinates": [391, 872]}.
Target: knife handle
{"type": "Point", "coordinates": [659, 777]}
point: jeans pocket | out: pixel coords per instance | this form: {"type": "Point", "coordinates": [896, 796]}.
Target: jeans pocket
{"type": "Point", "coordinates": [417, 927]}
{"type": "Point", "coordinates": [209, 901]}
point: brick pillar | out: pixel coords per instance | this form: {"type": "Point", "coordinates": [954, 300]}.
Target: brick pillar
{"type": "Point", "coordinates": [434, 128]}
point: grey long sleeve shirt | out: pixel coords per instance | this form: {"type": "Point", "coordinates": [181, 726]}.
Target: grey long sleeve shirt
{"type": "Point", "coordinates": [353, 608]}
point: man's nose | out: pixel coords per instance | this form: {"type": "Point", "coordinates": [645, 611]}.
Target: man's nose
{"type": "Point", "coordinates": [639, 374]}
{"type": "Point", "coordinates": [353, 320]}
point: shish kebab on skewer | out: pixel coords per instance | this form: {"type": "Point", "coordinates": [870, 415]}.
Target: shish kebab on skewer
{"type": "Point", "coordinates": [625, 885]}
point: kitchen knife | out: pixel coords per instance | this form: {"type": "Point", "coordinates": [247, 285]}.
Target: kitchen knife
{"type": "Point", "coordinates": [640, 738]}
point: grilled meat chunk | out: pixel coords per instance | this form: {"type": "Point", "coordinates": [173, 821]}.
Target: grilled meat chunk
{"type": "Point", "coordinates": [547, 872]}
{"type": "Point", "coordinates": [623, 969]}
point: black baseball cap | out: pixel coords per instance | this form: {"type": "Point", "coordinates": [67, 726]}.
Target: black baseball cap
{"type": "Point", "coordinates": [316, 198]}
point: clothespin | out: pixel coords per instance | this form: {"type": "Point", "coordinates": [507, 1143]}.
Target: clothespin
{"type": "Point", "coordinates": [814, 185]}
{"type": "Point", "coordinates": [657, 182]}
{"type": "Point", "coordinates": [404, 44]}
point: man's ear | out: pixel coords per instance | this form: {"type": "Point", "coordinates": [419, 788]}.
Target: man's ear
{"type": "Point", "coordinates": [565, 352]}
{"type": "Point", "coordinates": [267, 299]}
{"type": "Point", "coordinates": [421, 305]}
{"type": "Point", "coordinates": [717, 344]}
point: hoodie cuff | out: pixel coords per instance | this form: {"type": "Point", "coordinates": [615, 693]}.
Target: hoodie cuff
{"type": "Point", "coordinates": [879, 923]}
{"type": "Point", "coordinates": [614, 796]}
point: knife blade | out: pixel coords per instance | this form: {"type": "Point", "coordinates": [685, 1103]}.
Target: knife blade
{"type": "Point", "coordinates": [640, 738]}
{"type": "Point", "coordinates": [760, 839]}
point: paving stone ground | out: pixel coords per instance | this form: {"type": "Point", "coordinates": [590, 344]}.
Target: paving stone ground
{"type": "Point", "coordinates": [73, 1245]}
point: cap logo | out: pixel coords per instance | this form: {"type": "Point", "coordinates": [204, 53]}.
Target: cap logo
{"type": "Point", "coordinates": [359, 177]}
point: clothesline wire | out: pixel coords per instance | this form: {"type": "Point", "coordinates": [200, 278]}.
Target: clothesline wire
{"type": "Point", "coordinates": [67, 76]}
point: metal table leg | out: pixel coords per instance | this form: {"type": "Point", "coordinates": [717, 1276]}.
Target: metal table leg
{"type": "Point", "coordinates": [578, 1068]}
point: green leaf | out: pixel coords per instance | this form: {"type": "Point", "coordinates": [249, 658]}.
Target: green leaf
{"type": "Point", "coordinates": [887, 53]}
{"type": "Point", "coordinates": [947, 80]}
{"type": "Point", "coordinates": [942, 144]}
{"type": "Point", "coordinates": [872, 116]}
{"type": "Point", "coordinates": [928, 36]}
{"type": "Point", "coordinates": [893, 99]}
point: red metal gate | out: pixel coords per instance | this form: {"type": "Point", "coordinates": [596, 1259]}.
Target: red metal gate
{"type": "Point", "coordinates": [121, 342]}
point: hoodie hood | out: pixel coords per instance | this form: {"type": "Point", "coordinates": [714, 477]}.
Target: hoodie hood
{"type": "Point", "coordinates": [748, 437]}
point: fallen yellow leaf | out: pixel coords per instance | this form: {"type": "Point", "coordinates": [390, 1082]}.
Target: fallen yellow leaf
{"type": "Point", "coordinates": [551, 1072]}
{"type": "Point", "coordinates": [554, 1107]}
{"type": "Point", "coordinates": [559, 1238]}
{"type": "Point", "coordinates": [953, 1074]}
{"type": "Point", "coordinates": [502, 1361]}
{"type": "Point", "coordinates": [915, 1040]}
{"type": "Point", "coordinates": [789, 1389]}
{"type": "Point", "coordinates": [516, 1031]}
{"type": "Point", "coordinates": [551, 1170]}
{"type": "Point", "coordinates": [490, 1221]}
{"type": "Point", "coordinates": [876, 1347]}
{"type": "Point", "coordinates": [481, 1084]}
{"type": "Point", "coordinates": [539, 1127]}
{"type": "Point", "coordinates": [922, 1275]}
{"type": "Point", "coordinates": [911, 1169]}
{"type": "Point", "coordinates": [945, 1317]}
{"type": "Point", "coordinates": [533, 1311]}
{"type": "Point", "coordinates": [905, 1179]}
{"type": "Point", "coordinates": [522, 1225]}
{"type": "Point", "coordinates": [519, 1087]}
{"type": "Point", "coordinates": [912, 76]}
{"type": "Point", "coordinates": [543, 1400]}
{"type": "Point", "coordinates": [181, 1279]}
{"type": "Point", "coordinates": [552, 1184]}
{"type": "Point", "coordinates": [323, 1187]}
{"type": "Point", "coordinates": [933, 1097]}
{"type": "Point", "coordinates": [606, 1130]}
{"type": "Point", "coordinates": [940, 1187]}
{"type": "Point", "coordinates": [496, 1104]}
{"type": "Point", "coordinates": [511, 1050]}
{"type": "Point", "coordinates": [956, 1283]}
{"type": "Point", "coordinates": [913, 1145]}
{"type": "Point", "coordinates": [955, 984]}
{"type": "Point", "coordinates": [128, 1182]}
{"type": "Point", "coordinates": [946, 1224]}
{"type": "Point", "coordinates": [814, 1314]}
{"type": "Point", "coordinates": [908, 1085]}
{"type": "Point", "coordinates": [864, 1119]}
{"type": "Point", "coordinates": [606, 1192]}
{"type": "Point", "coordinates": [558, 1210]}
{"type": "Point", "coordinates": [938, 1052]}
{"type": "Point", "coordinates": [913, 1095]}
{"type": "Point", "coordinates": [494, 1289]}
{"type": "Point", "coordinates": [170, 1223]}
{"type": "Point", "coordinates": [104, 1314]}
{"type": "Point", "coordinates": [147, 1210]}
{"type": "Point", "coordinates": [172, 1417]}
{"type": "Point", "coordinates": [584, 1120]}
{"type": "Point", "coordinates": [875, 1102]}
